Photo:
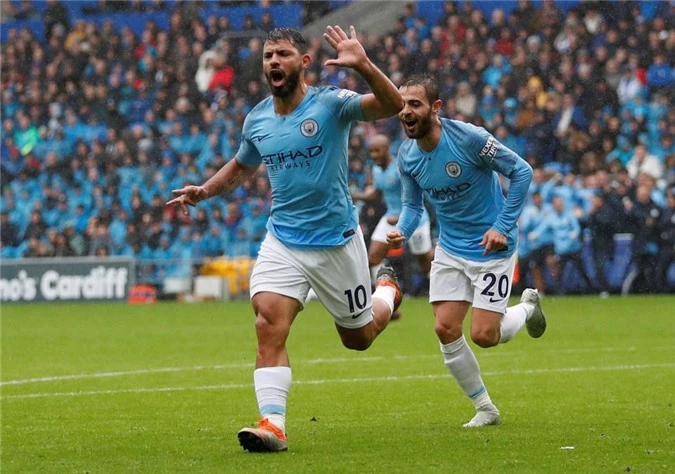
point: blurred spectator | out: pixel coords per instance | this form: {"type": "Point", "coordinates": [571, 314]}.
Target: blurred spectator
{"type": "Point", "coordinates": [601, 223]}
{"type": "Point", "coordinates": [566, 231]}
{"type": "Point", "coordinates": [645, 217]}
{"type": "Point", "coordinates": [9, 234]}
{"type": "Point", "coordinates": [642, 162]}
{"type": "Point", "coordinates": [570, 115]}
{"type": "Point", "coordinates": [667, 242]}
{"type": "Point", "coordinates": [56, 19]}
{"type": "Point", "coordinates": [62, 247]}
{"type": "Point", "coordinates": [465, 100]}
{"type": "Point", "coordinates": [37, 226]}
{"type": "Point", "coordinates": [660, 75]}
{"type": "Point", "coordinates": [629, 86]}
{"type": "Point", "coordinates": [535, 244]}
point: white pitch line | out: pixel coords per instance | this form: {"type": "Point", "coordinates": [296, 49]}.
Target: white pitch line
{"type": "Point", "coordinates": [159, 370]}
{"type": "Point", "coordinates": [351, 380]}
{"type": "Point", "coordinates": [244, 365]}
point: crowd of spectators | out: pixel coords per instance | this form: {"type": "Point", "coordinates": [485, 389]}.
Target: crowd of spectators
{"type": "Point", "coordinates": [99, 125]}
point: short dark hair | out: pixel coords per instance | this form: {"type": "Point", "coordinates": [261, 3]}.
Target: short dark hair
{"type": "Point", "coordinates": [425, 80]}
{"type": "Point", "coordinates": [291, 35]}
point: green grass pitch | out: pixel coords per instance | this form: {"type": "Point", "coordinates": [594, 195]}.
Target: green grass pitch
{"type": "Point", "coordinates": [106, 388]}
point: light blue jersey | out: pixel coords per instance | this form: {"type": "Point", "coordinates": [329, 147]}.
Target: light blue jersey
{"type": "Point", "coordinates": [388, 182]}
{"type": "Point", "coordinates": [305, 154]}
{"type": "Point", "coordinates": [459, 178]}
{"type": "Point", "coordinates": [565, 230]}
{"type": "Point", "coordinates": [529, 240]}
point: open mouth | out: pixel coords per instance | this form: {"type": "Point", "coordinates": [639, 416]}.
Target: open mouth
{"type": "Point", "coordinates": [409, 123]}
{"type": "Point", "coordinates": [277, 77]}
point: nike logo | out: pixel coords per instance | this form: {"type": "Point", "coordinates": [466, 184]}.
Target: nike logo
{"type": "Point", "coordinates": [494, 300]}
{"type": "Point", "coordinates": [260, 137]}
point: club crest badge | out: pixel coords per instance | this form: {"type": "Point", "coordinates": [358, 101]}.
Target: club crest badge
{"type": "Point", "coordinates": [309, 128]}
{"type": "Point", "coordinates": [453, 169]}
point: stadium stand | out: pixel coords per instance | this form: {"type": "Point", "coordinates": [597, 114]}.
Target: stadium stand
{"type": "Point", "coordinates": [107, 106]}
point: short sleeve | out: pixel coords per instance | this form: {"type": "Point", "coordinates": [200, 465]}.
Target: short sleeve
{"type": "Point", "coordinates": [343, 103]}
{"type": "Point", "coordinates": [248, 154]}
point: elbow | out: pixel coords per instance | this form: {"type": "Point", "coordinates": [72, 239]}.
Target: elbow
{"type": "Point", "coordinates": [523, 174]}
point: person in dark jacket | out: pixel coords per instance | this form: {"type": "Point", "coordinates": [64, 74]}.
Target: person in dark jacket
{"type": "Point", "coordinates": [644, 217]}
{"type": "Point", "coordinates": [9, 235]}
{"type": "Point", "coordinates": [667, 235]}
{"type": "Point", "coordinates": [601, 223]}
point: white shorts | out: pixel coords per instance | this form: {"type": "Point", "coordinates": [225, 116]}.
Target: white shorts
{"type": "Point", "coordinates": [486, 285]}
{"type": "Point", "coordinates": [419, 243]}
{"type": "Point", "coordinates": [339, 276]}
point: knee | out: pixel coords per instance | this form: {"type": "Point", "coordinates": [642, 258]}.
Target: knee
{"type": "Point", "coordinates": [373, 260]}
{"type": "Point", "coordinates": [447, 332]}
{"type": "Point", "coordinates": [266, 324]}
{"type": "Point", "coordinates": [485, 337]}
{"type": "Point", "coordinates": [263, 325]}
{"type": "Point", "coordinates": [357, 344]}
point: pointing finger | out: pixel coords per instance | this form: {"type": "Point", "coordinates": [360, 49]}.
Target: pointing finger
{"type": "Point", "coordinates": [352, 31]}
{"type": "Point", "coordinates": [178, 192]}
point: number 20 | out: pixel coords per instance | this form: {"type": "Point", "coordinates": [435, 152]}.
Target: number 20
{"type": "Point", "coordinates": [502, 286]}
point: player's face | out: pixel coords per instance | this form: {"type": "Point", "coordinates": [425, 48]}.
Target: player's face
{"type": "Point", "coordinates": [378, 153]}
{"type": "Point", "coordinates": [282, 65]}
{"type": "Point", "coordinates": [417, 114]}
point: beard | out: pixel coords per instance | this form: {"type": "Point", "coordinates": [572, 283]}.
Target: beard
{"type": "Point", "coordinates": [421, 129]}
{"type": "Point", "coordinates": [291, 82]}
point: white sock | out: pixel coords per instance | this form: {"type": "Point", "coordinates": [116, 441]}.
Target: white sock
{"type": "Point", "coordinates": [513, 321]}
{"type": "Point", "coordinates": [463, 366]}
{"type": "Point", "coordinates": [272, 385]}
{"type": "Point", "coordinates": [386, 294]}
{"type": "Point", "coordinates": [373, 273]}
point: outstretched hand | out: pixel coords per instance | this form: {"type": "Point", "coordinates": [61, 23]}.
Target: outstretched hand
{"type": "Point", "coordinates": [349, 51]}
{"type": "Point", "coordinates": [493, 240]}
{"type": "Point", "coordinates": [188, 196]}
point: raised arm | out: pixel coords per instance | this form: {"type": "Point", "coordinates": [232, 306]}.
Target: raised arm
{"type": "Point", "coordinates": [385, 100]}
{"type": "Point", "coordinates": [228, 178]}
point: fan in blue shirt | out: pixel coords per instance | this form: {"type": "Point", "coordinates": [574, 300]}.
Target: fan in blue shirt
{"type": "Point", "coordinates": [457, 166]}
